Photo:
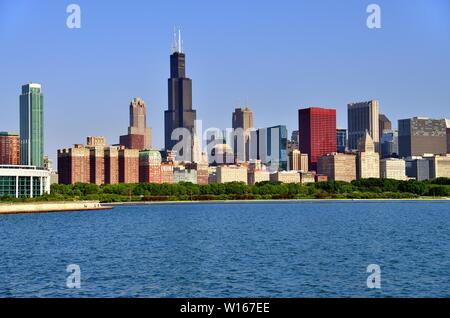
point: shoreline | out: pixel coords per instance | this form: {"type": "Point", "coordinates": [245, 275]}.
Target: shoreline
{"type": "Point", "coordinates": [78, 206]}
{"type": "Point", "coordinates": [112, 204]}
{"type": "Point", "coordinates": [50, 207]}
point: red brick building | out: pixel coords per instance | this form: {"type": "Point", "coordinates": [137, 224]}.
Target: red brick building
{"type": "Point", "coordinates": [97, 165]}
{"type": "Point", "coordinates": [9, 148]}
{"type": "Point", "coordinates": [111, 165]}
{"type": "Point", "coordinates": [202, 172]}
{"type": "Point", "coordinates": [74, 165]}
{"type": "Point", "coordinates": [167, 172]}
{"type": "Point", "coordinates": [133, 142]}
{"type": "Point", "coordinates": [150, 166]}
{"type": "Point", "coordinates": [128, 165]}
{"type": "Point", "coordinates": [317, 133]}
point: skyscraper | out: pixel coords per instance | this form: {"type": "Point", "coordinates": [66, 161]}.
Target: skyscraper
{"type": "Point", "coordinates": [180, 113]}
{"type": "Point", "coordinates": [341, 140]}
{"type": "Point", "coordinates": [420, 135]}
{"type": "Point", "coordinates": [317, 133]}
{"type": "Point", "coordinates": [242, 118]}
{"type": "Point", "coordinates": [384, 124]}
{"type": "Point", "coordinates": [139, 136]}
{"type": "Point", "coordinates": [367, 160]}
{"type": "Point", "coordinates": [363, 117]}
{"type": "Point", "coordinates": [32, 125]}
{"type": "Point", "coordinates": [271, 144]}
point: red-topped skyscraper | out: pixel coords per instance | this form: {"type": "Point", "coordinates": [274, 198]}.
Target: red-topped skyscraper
{"type": "Point", "coordinates": [317, 133]}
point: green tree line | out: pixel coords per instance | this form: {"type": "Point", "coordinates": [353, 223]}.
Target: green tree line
{"type": "Point", "coordinates": [358, 189]}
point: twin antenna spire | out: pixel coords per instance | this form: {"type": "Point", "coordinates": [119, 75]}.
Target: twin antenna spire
{"type": "Point", "coordinates": [177, 45]}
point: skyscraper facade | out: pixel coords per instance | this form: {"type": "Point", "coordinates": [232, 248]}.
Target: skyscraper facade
{"type": "Point", "coordinates": [363, 117]}
{"type": "Point", "coordinates": [9, 148]}
{"type": "Point", "coordinates": [139, 136]}
{"type": "Point", "coordinates": [384, 124]}
{"type": "Point", "coordinates": [341, 140]}
{"type": "Point", "coordinates": [419, 136]}
{"type": "Point", "coordinates": [272, 147]}
{"type": "Point", "coordinates": [389, 144]}
{"type": "Point", "coordinates": [180, 113]}
{"type": "Point", "coordinates": [242, 118]}
{"type": "Point", "coordinates": [32, 125]}
{"type": "Point", "coordinates": [317, 133]}
{"type": "Point", "coordinates": [367, 160]}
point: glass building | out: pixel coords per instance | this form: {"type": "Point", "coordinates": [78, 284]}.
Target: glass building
{"type": "Point", "coordinates": [32, 125]}
{"type": "Point", "coordinates": [23, 181]}
{"type": "Point", "coordinates": [341, 140]}
{"type": "Point", "coordinates": [272, 147]}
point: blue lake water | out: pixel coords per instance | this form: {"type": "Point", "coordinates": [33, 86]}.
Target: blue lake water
{"type": "Point", "coordinates": [311, 249]}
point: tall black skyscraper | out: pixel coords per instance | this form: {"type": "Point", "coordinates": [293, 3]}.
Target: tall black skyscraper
{"type": "Point", "coordinates": [180, 112]}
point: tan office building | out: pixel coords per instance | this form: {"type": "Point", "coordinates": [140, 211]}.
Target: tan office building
{"type": "Point", "coordinates": [393, 168]}
{"type": "Point", "coordinates": [338, 166]}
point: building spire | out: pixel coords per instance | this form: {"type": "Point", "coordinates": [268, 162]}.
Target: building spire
{"type": "Point", "coordinates": [177, 43]}
{"type": "Point", "coordinates": [174, 40]}
{"type": "Point", "coordinates": [180, 43]}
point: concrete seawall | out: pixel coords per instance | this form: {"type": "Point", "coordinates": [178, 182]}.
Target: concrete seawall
{"type": "Point", "coordinates": [44, 207]}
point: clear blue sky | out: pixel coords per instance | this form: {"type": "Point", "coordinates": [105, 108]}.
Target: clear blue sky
{"type": "Point", "coordinates": [277, 55]}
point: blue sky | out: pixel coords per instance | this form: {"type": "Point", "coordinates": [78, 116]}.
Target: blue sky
{"type": "Point", "coordinates": [277, 55]}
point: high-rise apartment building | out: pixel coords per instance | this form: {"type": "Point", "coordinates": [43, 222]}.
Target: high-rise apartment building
{"type": "Point", "coordinates": [32, 125]}
{"type": "Point", "coordinates": [139, 135]}
{"type": "Point", "coordinates": [420, 135]}
{"type": "Point", "coordinates": [362, 117]}
{"type": "Point", "coordinates": [243, 119]}
{"type": "Point", "coordinates": [180, 113]}
{"type": "Point", "coordinates": [317, 133]}
{"type": "Point", "coordinates": [9, 148]}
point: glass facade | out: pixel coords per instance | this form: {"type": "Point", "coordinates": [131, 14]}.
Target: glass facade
{"type": "Point", "coordinates": [272, 147]}
{"type": "Point", "coordinates": [7, 186]}
{"type": "Point", "coordinates": [317, 129]}
{"type": "Point", "coordinates": [341, 140]}
{"type": "Point", "coordinates": [23, 181]}
{"type": "Point", "coordinates": [32, 126]}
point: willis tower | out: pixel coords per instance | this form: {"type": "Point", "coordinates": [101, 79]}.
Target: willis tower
{"type": "Point", "coordinates": [180, 113]}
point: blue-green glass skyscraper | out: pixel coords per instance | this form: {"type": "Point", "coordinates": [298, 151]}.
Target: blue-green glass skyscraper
{"type": "Point", "coordinates": [32, 125]}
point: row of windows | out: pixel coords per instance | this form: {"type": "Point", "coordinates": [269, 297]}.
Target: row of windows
{"type": "Point", "coordinates": [8, 186]}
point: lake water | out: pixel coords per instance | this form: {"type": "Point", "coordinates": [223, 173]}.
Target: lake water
{"type": "Point", "coordinates": [310, 249]}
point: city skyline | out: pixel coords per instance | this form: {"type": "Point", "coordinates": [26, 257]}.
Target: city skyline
{"type": "Point", "coordinates": [108, 117]}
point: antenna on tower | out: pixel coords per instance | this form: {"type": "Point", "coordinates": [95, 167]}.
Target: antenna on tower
{"type": "Point", "coordinates": [180, 45]}
{"type": "Point", "coordinates": [174, 40]}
